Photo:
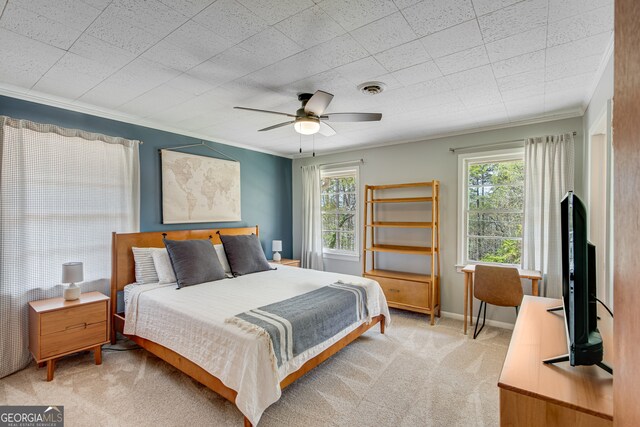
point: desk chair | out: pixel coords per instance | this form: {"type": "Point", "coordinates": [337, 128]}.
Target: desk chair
{"type": "Point", "coordinates": [498, 286]}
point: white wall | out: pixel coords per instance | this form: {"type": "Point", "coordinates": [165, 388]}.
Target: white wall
{"type": "Point", "coordinates": [424, 161]}
{"type": "Point", "coordinates": [600, 108]}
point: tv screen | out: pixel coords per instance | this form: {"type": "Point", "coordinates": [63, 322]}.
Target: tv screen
{"type": "Point", "coordinates": [578, 287]}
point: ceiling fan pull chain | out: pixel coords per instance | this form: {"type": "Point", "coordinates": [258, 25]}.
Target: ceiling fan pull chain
{"type": "Point", "coordinates": [300, 142]}
{"type": "Point", "coordinates": [314, 144]}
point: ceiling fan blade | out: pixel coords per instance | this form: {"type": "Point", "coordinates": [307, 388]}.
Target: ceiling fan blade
{"type": "Point", "coordinates": [326, 130]}
{"type": "Point", "coordinates": [318, 103]}
{"type": "Point", "coordinates": [279, 125]}
{"type": "Point", "coordinates": [352, 117]}
{"type": "Point", "coordinates": [264, 111]}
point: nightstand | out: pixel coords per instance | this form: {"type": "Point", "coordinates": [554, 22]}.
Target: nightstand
{"type": "Point", "coordinates": [58, 327]}
{"type": "Point", "coordinates": [290, 262]}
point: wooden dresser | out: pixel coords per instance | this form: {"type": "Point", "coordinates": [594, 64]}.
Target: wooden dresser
{"type": "Point", "coordinates": [58, 328]}
{"type": "Point", "coordinates": [535, 394]}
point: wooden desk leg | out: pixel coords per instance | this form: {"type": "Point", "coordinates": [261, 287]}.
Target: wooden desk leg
{"type": "Point", "coordinates": [471, 299]}
{"type": "Point", "coordinates": [534, 287]}
{"type": "Point", "coordinates": [97, 355]}
{"type": "Point", "coordinates": [51, 366]}
{"type": "Point", "coordinates": [466, 299]}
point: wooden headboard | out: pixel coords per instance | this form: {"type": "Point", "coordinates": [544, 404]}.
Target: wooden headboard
{"type": "Point", "coordinates": [123, 265]}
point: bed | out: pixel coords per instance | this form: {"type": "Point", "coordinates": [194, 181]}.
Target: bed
{"type": "Point", "coordinates": [190, 328]}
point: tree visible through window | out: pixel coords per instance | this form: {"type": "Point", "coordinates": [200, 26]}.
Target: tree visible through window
{"type": "Point", "coordinates": [339, 211]}
{"type": "Point", "coordinates": [495, 210]}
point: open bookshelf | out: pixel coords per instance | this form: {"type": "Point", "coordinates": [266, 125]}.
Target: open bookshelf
{"type": "Point", "coordinates": [405, 290]}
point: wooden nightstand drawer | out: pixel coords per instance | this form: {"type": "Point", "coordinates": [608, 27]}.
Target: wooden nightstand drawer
{"type": "Point", "coordinates": [81, 316]}
{"type": "Point", "coordinates": [58, 328]}
{"type": "Point", "coordinates": [72, 339]}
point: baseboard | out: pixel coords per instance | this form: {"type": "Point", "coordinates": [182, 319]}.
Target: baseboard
{"type": "Point", "coordinates": [489, 322]}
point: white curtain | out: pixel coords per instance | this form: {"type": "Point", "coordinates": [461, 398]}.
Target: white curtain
{"type": "Point", "coordinates": [311, 219]}
{"type": "Point", "coordinates": [62, 193]}
{"type": "Point", "coordinates": [549, 170]}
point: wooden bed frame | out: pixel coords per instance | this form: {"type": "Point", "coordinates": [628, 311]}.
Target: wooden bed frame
{"type": "Point", "coordinates": [123, 273]}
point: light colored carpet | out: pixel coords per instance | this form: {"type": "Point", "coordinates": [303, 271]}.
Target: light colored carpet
{"type": "Point", "coordinates": [414, 375]}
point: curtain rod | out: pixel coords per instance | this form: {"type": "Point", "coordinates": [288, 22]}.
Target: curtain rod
{"type": "Point", "coordinates": [346, 162]}
{"type": "Point", "coordinates": [453, 150]}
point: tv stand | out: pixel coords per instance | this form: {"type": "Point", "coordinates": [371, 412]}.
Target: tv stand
{"type": "Point", "coordinates": [539, 394]}
{"type": "Point", "coordinates": [565, 357]}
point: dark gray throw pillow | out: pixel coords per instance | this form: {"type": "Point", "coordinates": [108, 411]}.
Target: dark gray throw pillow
{"type": "Point", "coordinates": [244, 254]}
{"type": "Point", "coordinates": [194, 261]}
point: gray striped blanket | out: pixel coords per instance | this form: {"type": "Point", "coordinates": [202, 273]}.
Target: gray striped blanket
{"type": "Point", "coordinates": [302, 322]}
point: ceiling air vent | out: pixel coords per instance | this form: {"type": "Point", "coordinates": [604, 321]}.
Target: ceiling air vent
{"type": "Point", "coordinates": [371, 88]}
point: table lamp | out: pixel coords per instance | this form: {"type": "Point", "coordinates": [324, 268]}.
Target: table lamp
{"type": "Point", "coordinates": [72, 273]}
{"type": "Point", "coordinates": [276, 247]}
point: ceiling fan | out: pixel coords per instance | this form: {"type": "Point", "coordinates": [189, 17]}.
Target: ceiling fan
{"type": "Point", "coordinates": [310, 118]}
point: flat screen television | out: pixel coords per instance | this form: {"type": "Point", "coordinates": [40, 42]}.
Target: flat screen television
{"type": "Point", "coordinates": [579, 288]}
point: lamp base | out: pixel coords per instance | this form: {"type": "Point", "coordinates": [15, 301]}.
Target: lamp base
{"type": "Point", "coordinates": [72, 292]}
{"type": "Point", "coordinates": [276, 256]}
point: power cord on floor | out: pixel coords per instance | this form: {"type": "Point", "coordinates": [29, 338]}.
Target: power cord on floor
{"type": "Point", "coordinates": [121, 349]}
{"type": "Point", "coordinates": [119, 342]}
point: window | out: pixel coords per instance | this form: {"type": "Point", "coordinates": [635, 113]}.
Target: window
{"type": "Point", "coordinates": [339, 206]}
{"type": "Point", "coordinates": [491, 210]}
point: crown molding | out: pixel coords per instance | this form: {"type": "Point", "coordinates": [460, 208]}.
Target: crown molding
{"type": "Point", "coordinates": [533, 121]}
{"type": "Point", "coordinates": [105, 113]}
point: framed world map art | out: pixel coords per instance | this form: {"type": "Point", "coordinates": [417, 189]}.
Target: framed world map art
{"type": "Point", "coordinates": [199, 189]}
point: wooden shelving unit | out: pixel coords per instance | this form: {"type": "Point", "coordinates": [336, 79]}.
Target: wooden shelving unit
{"type": "Point", "coordinates": [408, 291]}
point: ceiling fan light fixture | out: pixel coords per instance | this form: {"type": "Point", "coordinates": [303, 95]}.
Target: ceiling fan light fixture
{"type": "Point", "coordinates": [307, 125]}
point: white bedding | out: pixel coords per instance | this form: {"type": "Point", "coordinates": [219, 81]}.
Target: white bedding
{"type": "Point", "coordinates": [191, 322]}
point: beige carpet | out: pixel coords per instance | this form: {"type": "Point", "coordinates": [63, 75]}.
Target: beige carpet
{"type": "Point", "coordinates": [414, 375]}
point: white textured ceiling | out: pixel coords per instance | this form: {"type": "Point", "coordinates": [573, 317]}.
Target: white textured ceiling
{"type": "Point", "coordinates": [449, 65]}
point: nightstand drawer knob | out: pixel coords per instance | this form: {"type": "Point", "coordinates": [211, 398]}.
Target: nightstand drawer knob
{"type": "Point", "coordinates": [78, 326]}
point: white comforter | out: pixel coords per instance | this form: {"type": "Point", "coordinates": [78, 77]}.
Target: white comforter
{"type": "Point", "coordinates": [191, 322]}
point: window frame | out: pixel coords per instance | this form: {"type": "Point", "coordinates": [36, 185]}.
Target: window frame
{"type": "Point", "coordinates": [464, 160]}
{"type": "Point", "coordinates": [332, 172]}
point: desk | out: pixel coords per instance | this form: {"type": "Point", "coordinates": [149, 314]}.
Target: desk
{"type": "Point", "coordinates": [468, 271]}
{"type": "Point", "coordinates": [535, 394]}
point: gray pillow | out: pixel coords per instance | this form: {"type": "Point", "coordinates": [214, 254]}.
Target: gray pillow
{"type": "Point", "coordinates": [194, 261]}
{"type": "Point", "coordinates": [244, 254]}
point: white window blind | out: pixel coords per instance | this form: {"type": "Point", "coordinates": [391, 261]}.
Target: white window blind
{"type": "Point", "coordinates": [63, 192]}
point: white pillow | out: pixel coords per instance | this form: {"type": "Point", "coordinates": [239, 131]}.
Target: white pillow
{"type": "Point", "coordinates": [144, 266]}
{"type": "Point", "coordinates": [163, 266]}
{"type": "Point", "coordinates": [222, 256]}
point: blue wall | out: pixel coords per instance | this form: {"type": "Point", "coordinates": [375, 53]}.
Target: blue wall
{"type": "Point", "coordinates": [265, 178]}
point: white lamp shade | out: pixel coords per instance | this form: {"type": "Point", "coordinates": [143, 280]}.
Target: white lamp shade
{"type": "Point", "coordinates": [276, 246]}
{"type": "Point", "coordinates": [72, 272]}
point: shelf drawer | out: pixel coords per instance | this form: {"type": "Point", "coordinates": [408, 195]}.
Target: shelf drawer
{"type": "Point", "coordinates": [72, 339]}
{"type": "Point", "coordinates": [404, 291]}
{"type": "Point", "coordinates": [80, 316]}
